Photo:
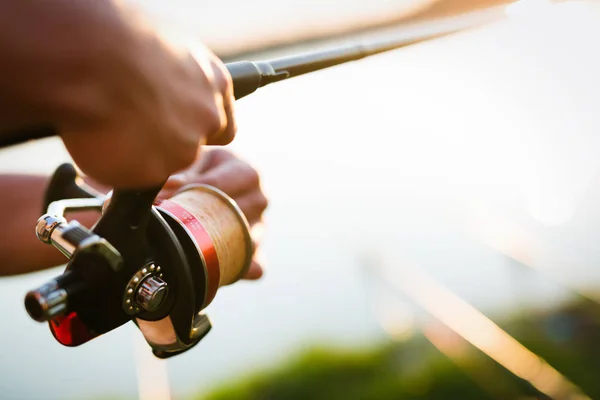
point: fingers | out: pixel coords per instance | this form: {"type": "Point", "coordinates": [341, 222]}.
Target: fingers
{"type": "Point", "coordinates": [234, 177]}
{"type": "Point", "coordinates": [219, 78]}
{"type": "Point", "coordinates": [254, 272]}
{"type": "Point", "coordinates": [253, 205]}
{"type": "Point", "coordinates": [224, 86]}
{"type": "Point", "coordinates": [228, 134]}
{"type": "Point", "coordinates": [231, 175]}
{"type": "Point", "coordinates": [206, 160]}
{"type": "Point", "coordinates": [223, 170]}
{"type": "Point", "coordinates": [213, 157]}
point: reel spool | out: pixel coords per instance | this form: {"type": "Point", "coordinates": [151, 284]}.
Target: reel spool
{"type": "Point", "coordinates": [158, 263]}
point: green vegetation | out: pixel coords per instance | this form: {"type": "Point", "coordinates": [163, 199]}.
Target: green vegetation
{"type": "Point", "coordinates": [389, 372]}
{"type": "Point", "coordinates": [415, 369]}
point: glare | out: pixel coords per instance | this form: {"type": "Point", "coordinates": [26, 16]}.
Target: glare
{"type": "Point", "coordinates": [549, 211]}
{"type": "Point", "coordinates": [396, 321]}
{"type": "Point", "coordinates": [524, 246]}
{"type": "Point", "coordinates": [526, 7]}
{"type": "Point", "coordinates": [457, 349]}
{"type": "Point", "coordinates": [505, 236]}
{"type": "Point", "coordinates": [481, 332]}
{"type": "Point", "coordinates": [152, 374]}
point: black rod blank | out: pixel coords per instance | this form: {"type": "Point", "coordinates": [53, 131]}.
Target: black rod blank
{"type": "Point", "coordinates": [248, 76]}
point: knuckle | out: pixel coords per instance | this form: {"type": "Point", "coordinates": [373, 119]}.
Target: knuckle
{"type": "Point", "coordinates": [253, 176]}
{"type": "Point", "coordinates": [263, 202]}
{"type": "Point", "coordinates": [213, 120]}
{"type": "Point", "coordinates": [223, 79]}
{"type": "Point", "coordinates": [225, 137]}
{"type": "Point", "coordinates": [211, 180]}
{"type": "Point", "coordinates": [220, 155]}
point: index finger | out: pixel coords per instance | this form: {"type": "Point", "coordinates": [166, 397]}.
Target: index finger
{"type": "Point", "coordinates": [234, 177]}
{"type": "Point", "coordinates": [224, 85]}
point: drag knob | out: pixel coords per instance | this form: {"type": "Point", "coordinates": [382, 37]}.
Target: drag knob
{"type": "Point", "coordinates": [151, 293]}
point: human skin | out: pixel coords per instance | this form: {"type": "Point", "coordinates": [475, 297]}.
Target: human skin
{"type": "Point", "coordinates": [110, 84]}
{"type": "Point", "coordinates": [21, 252]}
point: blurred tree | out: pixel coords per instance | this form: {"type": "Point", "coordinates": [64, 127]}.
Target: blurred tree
{"type": "Point", "coordinates": [416, 369]}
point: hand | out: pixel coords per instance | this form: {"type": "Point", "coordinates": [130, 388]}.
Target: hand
{"type": "Point", "coordinates": [223, 170]}
{"type": "Point", "coordinates": [146, 137]}
{"type": "Point", "coordinates": [131, 107]}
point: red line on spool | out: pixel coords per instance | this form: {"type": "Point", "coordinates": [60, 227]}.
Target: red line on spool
{"type": "Point", "coordinates": [203, 243]}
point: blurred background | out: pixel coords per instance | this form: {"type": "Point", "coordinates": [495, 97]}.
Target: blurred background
{"type": "Point", "coordinates": [433, 222]}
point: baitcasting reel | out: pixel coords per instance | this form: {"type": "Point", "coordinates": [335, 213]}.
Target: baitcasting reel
{"type": "Point", "coordinates": [156, 263]}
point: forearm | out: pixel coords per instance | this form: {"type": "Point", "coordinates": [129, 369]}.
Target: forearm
{"type": "Point", "coordinates": [20, 208]}
{"type": "Point", "coordinates": [51, 51]}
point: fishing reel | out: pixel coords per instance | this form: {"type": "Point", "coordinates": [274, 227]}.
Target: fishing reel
{"type": "Point", "coordinates": [156, 263]}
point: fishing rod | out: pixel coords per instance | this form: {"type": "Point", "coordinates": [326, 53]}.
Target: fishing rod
{"type": "Point", "coordinates": [248, 76]}
{"type": "Point", "coordinates": [160, 263]}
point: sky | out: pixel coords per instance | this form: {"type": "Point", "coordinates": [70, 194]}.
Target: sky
{"type": "Point", "coordinates": [233, 25]}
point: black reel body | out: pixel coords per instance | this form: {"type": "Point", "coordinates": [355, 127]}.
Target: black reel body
{"type": "Point", "coordinates": [131, 266]}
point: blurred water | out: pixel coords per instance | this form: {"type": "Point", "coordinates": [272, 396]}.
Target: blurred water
{"type": "Point", "coordinates": [490, 133]}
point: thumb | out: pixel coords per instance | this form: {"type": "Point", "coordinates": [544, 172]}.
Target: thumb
{"type": "Point", "coordinates": [176, 181]}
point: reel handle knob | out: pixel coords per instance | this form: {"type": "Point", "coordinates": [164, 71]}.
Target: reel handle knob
{"type": "Point", "coordinates": [66, 184]}
{"type": "Point", "coordinates": [151, 293]}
